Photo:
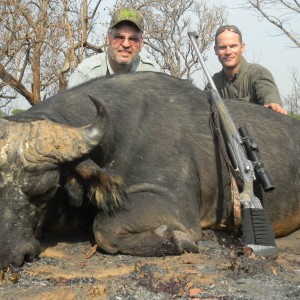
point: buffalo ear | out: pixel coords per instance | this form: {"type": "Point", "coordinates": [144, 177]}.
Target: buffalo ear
{"type": "Point", "coordinates": [105, 189]}
{"type": "Point", "coordinates": [75, 191]}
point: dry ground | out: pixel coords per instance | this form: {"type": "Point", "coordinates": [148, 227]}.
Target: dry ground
{"type": "Point", "coordinates": [219, 271]}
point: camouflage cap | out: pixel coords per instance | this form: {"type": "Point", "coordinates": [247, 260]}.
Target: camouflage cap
{"type": "Point", "coordinates": [127, 14]}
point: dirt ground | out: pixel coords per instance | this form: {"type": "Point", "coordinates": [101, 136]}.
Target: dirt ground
{"type": "Point", "coordinates": [220, 271]}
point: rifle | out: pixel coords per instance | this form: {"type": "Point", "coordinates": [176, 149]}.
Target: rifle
{"type": "Point", "coordinates": [256, 226]}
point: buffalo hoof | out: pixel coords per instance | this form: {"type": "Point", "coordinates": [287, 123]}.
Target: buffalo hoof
{"type": "Point", "coordinates": [183, 242]}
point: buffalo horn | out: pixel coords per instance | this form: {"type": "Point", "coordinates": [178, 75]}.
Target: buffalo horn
{"type": "Point", "coordinates": [47, 141]}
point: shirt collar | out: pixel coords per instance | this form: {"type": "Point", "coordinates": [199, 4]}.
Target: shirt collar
{"type": "Point", "coordinates": [109, 68]}
{"type": "Point", "coordinates": [240, 71]}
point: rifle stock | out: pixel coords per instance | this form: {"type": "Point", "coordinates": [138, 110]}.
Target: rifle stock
{"type": "Point", "coordinates": [257, 230]}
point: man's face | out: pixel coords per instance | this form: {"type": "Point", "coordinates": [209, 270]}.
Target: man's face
{"type": "Point", "coordinates": [229, 50]}
{"type": "Point", "coordinates": [125, 43]}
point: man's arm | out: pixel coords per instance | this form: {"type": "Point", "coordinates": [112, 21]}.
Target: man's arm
{"type": "Point", "coordinates": [89, 68]}
{"type": "Point", "coordinates": [76, 78]}
{"type": "Point", "coordinates": [266, 89]}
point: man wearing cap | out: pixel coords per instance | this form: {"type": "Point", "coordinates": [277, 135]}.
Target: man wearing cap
{"type": "Point", "coordinates": [125, 42]}
{"type": "Point", "coordinates": [239, 79]}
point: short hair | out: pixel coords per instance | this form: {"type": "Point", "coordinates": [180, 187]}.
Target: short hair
{"type": "Point", "coordinates": [231, 28]}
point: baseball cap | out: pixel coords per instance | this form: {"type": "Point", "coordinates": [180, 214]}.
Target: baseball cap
{"type": "Point", "coordinates": [127, 14]}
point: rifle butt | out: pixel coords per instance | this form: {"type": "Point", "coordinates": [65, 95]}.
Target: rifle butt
{"type": "Point", "coordinates": [257, 232]}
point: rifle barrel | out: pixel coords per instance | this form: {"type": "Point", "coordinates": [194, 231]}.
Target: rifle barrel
{"type": "Point", "coordinates": [193, 36]}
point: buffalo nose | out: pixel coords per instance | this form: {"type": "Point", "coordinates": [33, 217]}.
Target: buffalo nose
{"type": "Point", "coordinates": [18, 255]}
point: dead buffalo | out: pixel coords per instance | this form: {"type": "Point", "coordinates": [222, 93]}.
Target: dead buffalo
{"type": "Point", "coordinates": [158, 138]}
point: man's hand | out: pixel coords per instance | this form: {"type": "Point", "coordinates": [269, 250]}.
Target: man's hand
{"type": "Point", "coordinates": [277, 107]}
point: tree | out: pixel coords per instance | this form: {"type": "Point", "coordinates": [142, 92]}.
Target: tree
{"type": "Point", "coordinates": [42, 41]}
{"type": "Point", "coordinates": [5, 96]}
{"type": "Point", "coordinates": [292, 101]}
{"type": "Point", "coordinates": [284, 15]}
{"type": "Point", "coordinates": [17, 111]}
{"type": "Point", "coordinates": [167, 25]}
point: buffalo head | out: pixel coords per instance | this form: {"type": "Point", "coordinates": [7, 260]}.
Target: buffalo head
{"type": "Point", "coordinates": [31, 154]}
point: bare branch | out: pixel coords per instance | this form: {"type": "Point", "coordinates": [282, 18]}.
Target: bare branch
{"type": "Point", "coordinates": [282, 14]}
{"type": "Point", "coordinates": [42, 43]}
{"type": "Point", "coordinates": [15, 84]}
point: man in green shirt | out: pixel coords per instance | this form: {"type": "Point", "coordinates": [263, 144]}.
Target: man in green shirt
{"type": "Point", "coordinates": [239, 79]}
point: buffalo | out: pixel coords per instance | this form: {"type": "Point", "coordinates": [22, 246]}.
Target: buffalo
{"type": "Point", "coordinates": [149, 166]}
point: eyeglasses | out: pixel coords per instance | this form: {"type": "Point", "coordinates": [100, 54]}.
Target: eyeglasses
{"type": "Point", "coordinates": [119, 39]}
{"type": "Point", "coordinates": [231, 28]}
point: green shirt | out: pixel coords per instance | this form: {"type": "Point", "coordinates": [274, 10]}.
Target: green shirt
{"type": "Point", "coordinates": [252, 83]}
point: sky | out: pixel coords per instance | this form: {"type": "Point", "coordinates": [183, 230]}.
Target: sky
{"type": "Point", "coordinates": [264, 45]}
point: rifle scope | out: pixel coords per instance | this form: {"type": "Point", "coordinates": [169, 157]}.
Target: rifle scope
{"type": "Point", "coordinates": [252, 152]}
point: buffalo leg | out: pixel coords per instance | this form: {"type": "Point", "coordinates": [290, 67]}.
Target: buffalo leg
{"type": "Point", "coordinates": [150, 226]}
